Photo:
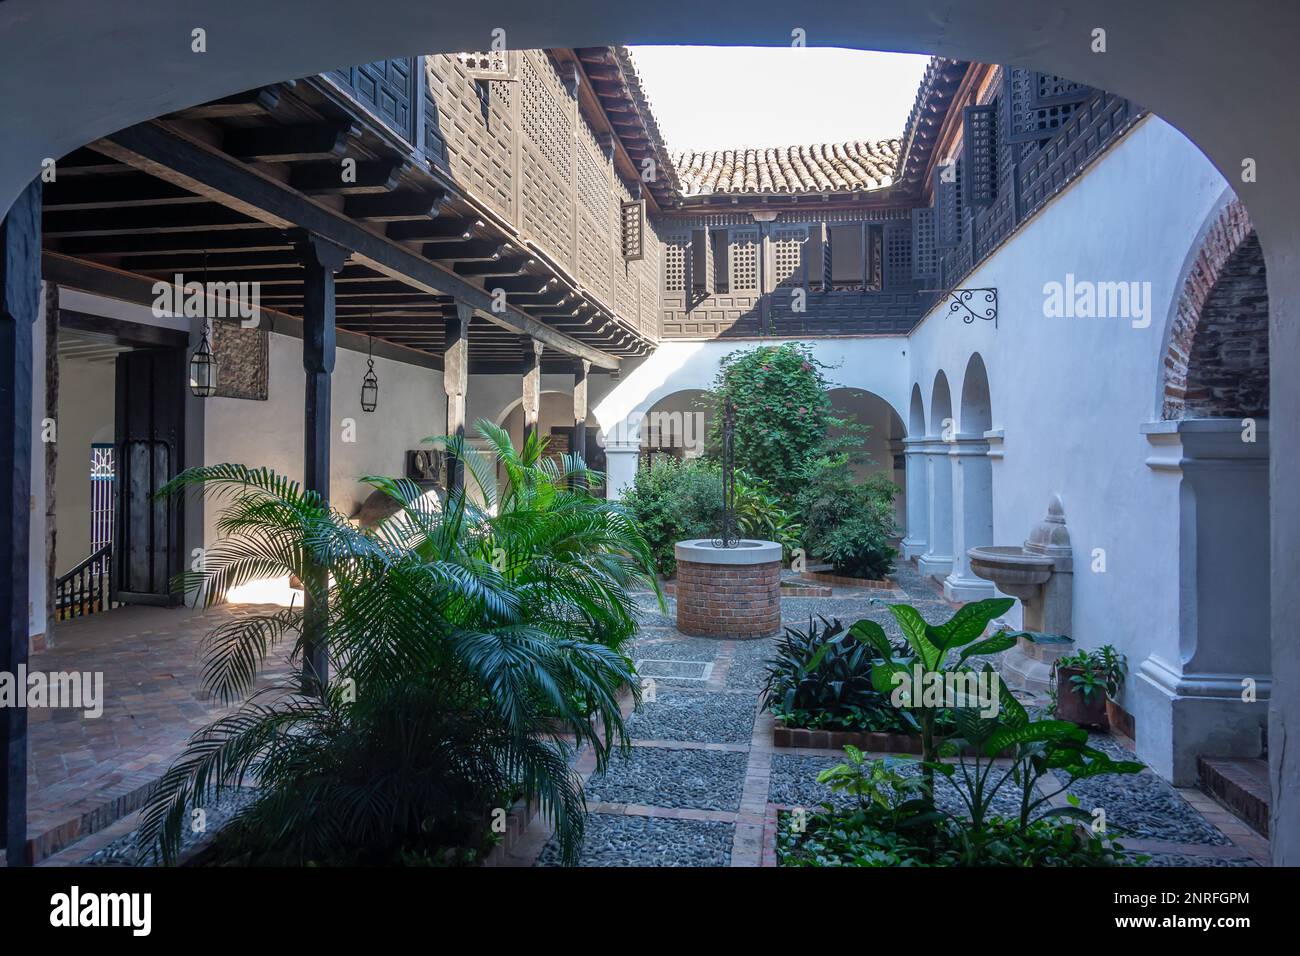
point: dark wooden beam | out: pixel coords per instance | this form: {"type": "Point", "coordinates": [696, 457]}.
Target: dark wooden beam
{"type": "Point", "coordinates": [513, 266]}
{"type": "Point", "coordinates": [20, 291]}
{"type": "Point", "coordinates": [526, 285]}
{"type": "Point", "coordinates": [320, 260]}
{"type": "Point", "coordinates": [145, 220]}
{"type": "Point", "coordinates": [531, 382]}
{"type": "Point", "coordinates": [116, 192]}
{"type": "Point", "coordinates": [442, 229]}
{"type": "Point", "coordinates": [475, 249]}
{"type": "Point", "coordinates": [171, 155]}
{"type": "Point", "coordinates": [287, 144]}
{"type": "Point", "coordinates": [245, 240]}
{"type": "Point", "coordinates": [399, 206]}
{"type": "Point", "coordinates": [249, 103]}
{"type": "Point", "coordinates": [371, 176]}
{"type": "Point", "coordinates": [455, 382]}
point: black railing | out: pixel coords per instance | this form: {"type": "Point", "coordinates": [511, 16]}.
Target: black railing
{"type": "Point", "coordinates": [86, 589]}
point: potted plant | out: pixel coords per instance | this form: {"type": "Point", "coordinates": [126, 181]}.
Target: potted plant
{"type": "Point", "coordinates": [1085, 682]}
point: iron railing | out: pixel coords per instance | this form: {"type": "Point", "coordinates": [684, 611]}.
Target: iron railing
{"type": "Point", "coordinates": [86, 589]}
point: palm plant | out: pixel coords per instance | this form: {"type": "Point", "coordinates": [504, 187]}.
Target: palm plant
{"type": "Point", "coordinates": [470, 642]}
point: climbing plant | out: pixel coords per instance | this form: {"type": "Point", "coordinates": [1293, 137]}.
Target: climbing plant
{"type": "Point", "coordinates": [783, 414]}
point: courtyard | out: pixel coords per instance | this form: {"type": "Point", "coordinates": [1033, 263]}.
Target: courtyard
{"type": "Point", "coordinates": [495, 458]}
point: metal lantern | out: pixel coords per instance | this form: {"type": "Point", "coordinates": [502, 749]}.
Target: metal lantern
{"type": "Point", "coordinates": [370, 384]}
{"type": "Point", "coordinates": [203, 369]}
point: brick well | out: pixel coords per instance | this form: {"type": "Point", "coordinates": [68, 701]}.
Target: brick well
{"type": "Point", "coordinates": [729, 600]}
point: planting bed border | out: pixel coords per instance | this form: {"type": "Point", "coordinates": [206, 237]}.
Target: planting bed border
{"type": "Point", "coordinates": [887, 584]}
{"type": "Point", "coordinates": [868, 741]}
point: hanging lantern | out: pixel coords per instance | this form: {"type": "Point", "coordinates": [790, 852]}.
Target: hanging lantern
{"type": "Point", "coordinates": [370, 384]}
{"type": "Point", "coordinates": [203, 369]}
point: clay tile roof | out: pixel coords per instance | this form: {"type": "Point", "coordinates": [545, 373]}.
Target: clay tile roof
{"type": "Point", "coordinates": [819, 168]}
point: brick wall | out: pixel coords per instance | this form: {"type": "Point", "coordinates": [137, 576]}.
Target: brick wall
{"type": "Point", "coordinates": [1216, 364]}
{"type": "Point", "coordinates": [732, 601]}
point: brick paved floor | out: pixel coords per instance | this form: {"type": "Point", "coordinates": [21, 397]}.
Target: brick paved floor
{"type": "Point", "coordinates": [84, 773]}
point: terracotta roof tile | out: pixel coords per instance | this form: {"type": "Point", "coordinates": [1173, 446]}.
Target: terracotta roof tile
{"type": "Point", "coordinates": [818, 168]}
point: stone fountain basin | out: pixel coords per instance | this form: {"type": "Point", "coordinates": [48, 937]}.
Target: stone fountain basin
{"type": "Point", "coordinates": [1010, 566]}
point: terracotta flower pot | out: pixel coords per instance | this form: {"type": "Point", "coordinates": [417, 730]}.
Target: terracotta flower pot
{"type": "Point", "coordinates": [1071, 705]}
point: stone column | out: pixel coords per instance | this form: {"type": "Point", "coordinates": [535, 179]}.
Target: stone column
{"type": "Point", "coordinates": [531, 374]}
{"type": "Point", "coordinates": [20, 295]}
{"type": "Point", "coordinates": [580, 369]}
{"type": "Point", "coordinates": [321, 260]}
{"type": "Point", "coordinates": [972, 519]}
{"type": "Point", "coordinates": [937, 559]}
{"type": "Point", "coordinates": [620, 465]}
{"type": "Point", "coordinates": [918, 499]}
{"type": "Point", "coordinates": [1211, 697]}
{"type": "Point", "coordinates": [455, 382]}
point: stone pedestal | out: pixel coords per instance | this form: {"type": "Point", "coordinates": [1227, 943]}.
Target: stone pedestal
{"type": "Point", "coordinates": [918, 501]}
{"type": "Point", "coordinates": [728, 592]}
{"type": "Point", "coordinates": [620, 466]}
{"type": "Point", "coordinates": [972, 525]}
{"type": "Point", "coordinates": [1209, 698]}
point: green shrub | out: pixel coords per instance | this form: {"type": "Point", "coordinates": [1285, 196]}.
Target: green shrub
{"type": "Point", "coordinates": [675, 501]}
{"type": "Point", "coordinates": [783, 414]}
{"type": "Point", "coordinates": [845, 521]}
{"type": "Point", "coordinates": [471, 647]}
{"type": "Point", "coordinates": [821, 679]}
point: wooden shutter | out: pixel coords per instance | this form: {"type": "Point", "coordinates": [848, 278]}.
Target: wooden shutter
{"type": "Point", "coordinates": [487, 64]}
{"type": "Point", "coordinates": [633, 218]}
{"type": "Point", "coordinates": [1037, 104]}
{"type": "Point", "coordinates": [947, 215]}
{"type": "Point", "coordinates": [925, 258]}
{"type": "Point", "coordinates": [701, 262]}
{"type": "Point", "coordinates": [980, 155]}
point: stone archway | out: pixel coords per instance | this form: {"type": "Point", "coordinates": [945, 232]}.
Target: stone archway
{"type": "Point", "coordinates": [1219, 57]}
{"type": "Point", "coordinates": [1215, 417]}
{"type": "Point", "coordinates": [918, 480]}
{"type": "Point", "coordinates": [937, 559]}
{"type": "Point", "coordinates": [1216, 359]}
{"type": "Point", "coordinates": [972, 484]}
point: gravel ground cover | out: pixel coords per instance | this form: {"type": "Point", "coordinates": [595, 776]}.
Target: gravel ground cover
{"type": "Point", "coordinates": [1180, 859]}
{"type": "Point", "coordinates": [618, 840]}
{"type": "Point", "coordinates": [656, 776]}
{"type": "Point", "coordinates": [122, 852]}
{"type": "Point", "coordinates": [1144, 806]}
{"type": "Point", "coordinates": [695, 716]}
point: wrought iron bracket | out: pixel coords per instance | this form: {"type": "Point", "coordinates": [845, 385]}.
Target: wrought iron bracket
{"type": "Point", "coordinates": [986, 308]}
{"type": "Point", "coordinates": [985, 304]}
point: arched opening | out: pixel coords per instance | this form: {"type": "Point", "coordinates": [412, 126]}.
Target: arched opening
{"type": "Point", "coordinates": [1215, 410]}
{"type": "Point", "coordinates": [881, 449]}
{"type": "Point", "coordinates": [676, 426]}
{"type": "Point", "coordinates": [936, 562]}
{"type": "Point", "coordinates": [972, 478]}
{"type": "Point", "coordinates": [918, 480]}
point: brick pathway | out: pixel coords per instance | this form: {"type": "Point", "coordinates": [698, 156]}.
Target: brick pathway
{"type": "Point", "coordinates": [84, 773]}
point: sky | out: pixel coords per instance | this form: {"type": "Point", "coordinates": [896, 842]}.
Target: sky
{"type": "Point", "coordinates": [724, 97]}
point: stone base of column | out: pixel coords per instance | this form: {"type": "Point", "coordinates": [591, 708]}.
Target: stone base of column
{"type": "Point", "coordinates": [961, 588]}
{"type": "Point", "coordinates": [913, 547]}
{"type": "Point", "coordinates": [935, 565]}
{"type": "Point", "coordinates": [1181, 717]}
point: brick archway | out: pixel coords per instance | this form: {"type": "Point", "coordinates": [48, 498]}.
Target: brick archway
{"type": "Point", "coordinates": [1216, 361]}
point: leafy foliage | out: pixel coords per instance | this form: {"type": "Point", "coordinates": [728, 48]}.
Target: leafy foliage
{"type": "Point", "coordinates": [821, 677]}
{"type": "Point", "coordinates": [847, 522]}
{"type": "Point", "coordinates": [1104, 669]}
{"type": "Point", "coordinates": [467, 642]}
{"type": "Point", "coordinates": [675, 501]}
{"type": "Point", "coordinates": [783, 413]}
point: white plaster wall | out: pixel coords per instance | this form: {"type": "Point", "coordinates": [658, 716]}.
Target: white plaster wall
{"type": "Point", "coordinates": [412, 407]}
{"type": "Point", "coordinates": [1071, 393]}
{"type": "Point", "coordinates": [86, 410]}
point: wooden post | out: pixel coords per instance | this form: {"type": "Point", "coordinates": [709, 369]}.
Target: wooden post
{"type": "Point", "coordinates": [20, 293]}
{"type": "Point", "coordinates": [531, 373]}
{"type": "Point", "coordinates": [51, 455]}
{"type": "Point", "coordinates": [580, 369]}
{"type": "Point", "coordinates": [455, 382]}
{"type": "Point", "coordinates": [321, 260]}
